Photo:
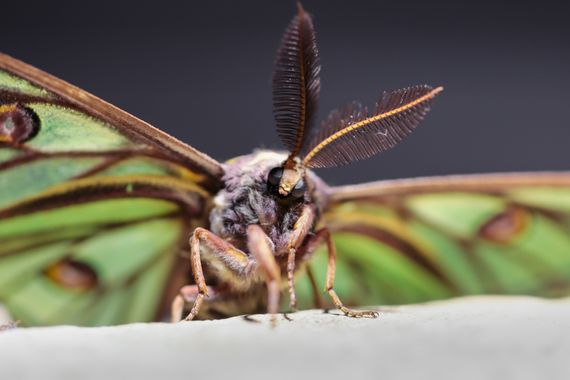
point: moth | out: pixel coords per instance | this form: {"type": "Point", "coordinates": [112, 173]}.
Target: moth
{"type": "Point", "coordinates": [105, 219]}
{"type": "Point", "coordinates": [11, 325]}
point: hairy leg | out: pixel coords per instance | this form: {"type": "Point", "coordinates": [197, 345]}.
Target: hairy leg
{"type": "Point", "coordinates": [300, 230]}
{"type": "Point", "coordinates": [187, 294]}
{"type": "Point", "coordinates": [324, 234]}
{"type": "Point", "coordinates": [259, 246]}
{"type": "Point", "coordinates": [9, 326]}
{"type": "Point", "coordinates": [233, 260]}
{"type": "Point", "coordinates": [317, 299]}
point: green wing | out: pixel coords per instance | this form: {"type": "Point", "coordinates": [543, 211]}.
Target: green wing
{"type": "Point", "coordinates": [418, 240]}
{"type": "Point", "coordinates": [95, 205]}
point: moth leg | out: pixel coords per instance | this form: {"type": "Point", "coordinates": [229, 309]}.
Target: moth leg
{"type": "Point", "coordinates": [187, 294]}
{"type": "Point", "coordinates": [300, 230]}
{"type": "Point", "coordinates": [11, 325]}
{"type": "Point", "coordinates": [317, 299]}
{"type": "Point", "coordinates": [260, 247]}
{"type": "Point", "coordinates": [232, 258]}
{"type": "Point", "coordinates": [331, 269]}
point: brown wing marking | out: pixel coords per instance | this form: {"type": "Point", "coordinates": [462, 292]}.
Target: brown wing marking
{"type": "Point", "coordinates": [188, 195]}
{"type": "Point", "coordinates": [468, 182]}
{"type": "Point", "coordinates": [502, 228]}
{"type": "Point", "coordinates": [123, 121]}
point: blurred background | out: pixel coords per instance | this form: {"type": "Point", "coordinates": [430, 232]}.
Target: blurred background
{"type": "Point", "coordinates": [201, 71]}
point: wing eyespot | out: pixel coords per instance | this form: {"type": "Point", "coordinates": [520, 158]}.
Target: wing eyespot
{"type": "Point", "coordinates": [73, 274]}
{"type": "Point", "coordinates": [18, 123]}
{"type": "Point", "coordinates": [505, 227]}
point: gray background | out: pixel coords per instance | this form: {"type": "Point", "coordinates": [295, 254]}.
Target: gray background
{"type": "Point", "coordinates": [202, 72]}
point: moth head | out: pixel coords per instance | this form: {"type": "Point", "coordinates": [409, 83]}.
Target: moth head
{"type": "Point", "coordinates": [287, 181]}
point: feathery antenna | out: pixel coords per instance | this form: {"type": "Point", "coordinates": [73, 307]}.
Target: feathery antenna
{"type": "Point", "coordinates": [296, 83]}
{"type": "Point", "coordinates": [352, 134]}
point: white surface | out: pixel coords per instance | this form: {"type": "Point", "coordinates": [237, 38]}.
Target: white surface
{"type": "Point", "coordinates": [470, 338]}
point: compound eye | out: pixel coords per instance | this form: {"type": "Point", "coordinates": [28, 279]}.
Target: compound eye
{"type": "Point", "coordinates": [275, 176]}
{"type": "Point", "coordinates": [299, 189]}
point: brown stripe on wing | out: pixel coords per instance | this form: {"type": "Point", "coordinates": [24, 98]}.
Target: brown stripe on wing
{"type": "Point", "coordinates": [189, 196]}
{"type": "Point", "coordinates": [112, 158]}
{"type": "Point", "coordinates": [15, 245]}
{"type": "Point", "coordinates": [29, 155]}
{"type": "Point", "coordinates": [468, 182]}
{"type": "Point", "coordinates": [8, 96]}
{"type": "Point", "coordinates": [407, 249]}
{"type": "Point", "coordinates": [123, 121]}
